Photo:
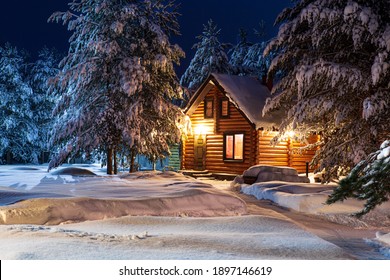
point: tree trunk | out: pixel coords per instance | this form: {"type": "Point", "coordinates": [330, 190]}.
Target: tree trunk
{"type": "Point", "coordinates": [9, 157]}
{"type": "Point", "coordinates": [109, 161]}
{"type": "Point", "coordinates": [115, 163]}
{"type": "Point", "coordinates": [132, 160]}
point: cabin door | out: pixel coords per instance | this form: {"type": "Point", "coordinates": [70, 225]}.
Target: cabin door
{"type": "Point", "coordinates": [200, 152]}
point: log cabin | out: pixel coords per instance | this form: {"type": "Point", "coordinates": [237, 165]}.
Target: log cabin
{"type": "Point", "coordinates": [229, 133]}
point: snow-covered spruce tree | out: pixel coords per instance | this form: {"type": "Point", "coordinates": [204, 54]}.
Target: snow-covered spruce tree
{"type": "Point", "coordinates": [17, 128]}
{"type": "Point", "coordinates": [210, 56]}
{"type": "Point", "coordinates": [118, 80]}
{"type": "Point", "coordinates": [368, 181]}
{"type": "Point", "coordinates": [43, 101]}
{"type": "Point", "coordinates": [238, 54]}
{"type": "Point", "coordinates": [255, 63]}
{"type": "Point", "coordinates": [333, 61]}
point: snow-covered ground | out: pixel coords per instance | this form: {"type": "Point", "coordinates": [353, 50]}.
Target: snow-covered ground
{"type": "Point", "coordinates": [150, 215]}
{"type": "Point", "coordinates": [311, 198]}
{"type": "Point", "coordinates": [248, 237]}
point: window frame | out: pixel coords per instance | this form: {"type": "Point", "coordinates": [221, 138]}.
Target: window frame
{"type": "Point", "coordinates": [206, 101]}
{"type": "Point", "coordinates": [221, 108]}
{"type": "Point", "coordinates": [225, 135]}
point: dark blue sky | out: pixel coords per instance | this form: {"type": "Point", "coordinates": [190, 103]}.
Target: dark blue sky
{"type": "Point", "coordinates": [23, 23]}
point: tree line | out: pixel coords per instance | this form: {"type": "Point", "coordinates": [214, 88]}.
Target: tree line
{"type": "Point", "coordinates": [25, 104]}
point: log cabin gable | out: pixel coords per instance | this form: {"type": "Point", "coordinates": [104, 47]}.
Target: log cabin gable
{"type": "Point", "coordinates": [198, 97]}
{"type": "Point", "coordinates": [233, 108]}
{"type": "Point", "coordinates": [212, 91]}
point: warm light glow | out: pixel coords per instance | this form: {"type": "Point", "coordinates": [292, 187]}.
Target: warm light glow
{"type": "Point", "coordinates": [229, 146]}
{"type": "Point", "coordinates": [290, 134]}
{"type": "Point", "coordinates": [234, 147]}
{"type": "Point", "coordinates": [200, 130]}
{"type": "Point", "coordinates": [238, 146]}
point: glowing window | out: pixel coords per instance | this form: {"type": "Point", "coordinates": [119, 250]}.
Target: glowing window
{"type": "Point", "coordinates": [234, 146]}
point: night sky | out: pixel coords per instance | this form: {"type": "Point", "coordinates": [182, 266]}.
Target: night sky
{"type": "Point", "coordinates": [23, 23]}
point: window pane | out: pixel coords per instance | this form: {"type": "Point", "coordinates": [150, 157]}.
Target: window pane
{"type": "Point", "coordinates": [209, 109]}
{"type": "Point", "coordinates": [239, 146]}
{"type": "Point", "coordinates": [229, 146]}
{"type": "Point", "coordinates": [225, 108]}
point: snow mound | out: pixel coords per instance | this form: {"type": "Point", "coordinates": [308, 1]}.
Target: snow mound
{"type": "Point", "coordinates": [26, 168]}
{"type": "Point", "coordinates": [74, 171]}
{"type": "Point", "coordinates": [194, 203]}
{"type": "Point", "coordinates": [153, 175]}
{"type": "Point", "coordinates": [384, 237]}
{"type": "Point", "coordinates": [8, 196]}
{"type": "Point", "coordinates": [381, 243]}
{"type": "Point", "coordinates": [308, 198]}
{"type": "Point", "coordinates": [311, 199]}
{"type": "Point", "coordinates": [266, 173]}
{"type": "Point", "coordinates": [56, 201]}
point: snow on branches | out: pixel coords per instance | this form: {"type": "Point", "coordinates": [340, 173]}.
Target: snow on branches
{"type": "Point", "coordinates": [117, 81]}
{"type": "Point", "coordinates": [368, 181]}
{"type": "Point", "coordinates": [25, 106]}
{"type": "Point", "coordinates": [210, 57]}
{"type": "Point", "coordinates": [332, 68]}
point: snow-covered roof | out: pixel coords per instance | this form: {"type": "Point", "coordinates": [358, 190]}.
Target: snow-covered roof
{"type": "Point", "coordinates": [248, 94]}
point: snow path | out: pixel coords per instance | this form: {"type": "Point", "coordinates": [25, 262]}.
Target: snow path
{"type": "Point", "coordinates": [352, 241]}
{"type": "Point", "coordinates": [359, 243]}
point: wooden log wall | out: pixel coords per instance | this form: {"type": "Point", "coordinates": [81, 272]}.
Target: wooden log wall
{"type": "Point", "coordinates": [285, 153]}
{"type": "Point", "coordinates": [298, 157]}
{"type": "Point", "coordinates": [216, 128]}
{"type": "Point", "coordinates": [272, 155]}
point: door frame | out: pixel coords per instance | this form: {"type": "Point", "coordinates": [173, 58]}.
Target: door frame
{"type": "Point", "coordinates": [200, 146]}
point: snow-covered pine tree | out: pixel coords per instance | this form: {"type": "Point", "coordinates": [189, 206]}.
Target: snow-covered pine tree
{"type": "Point", "coordinates": [17, 128]}
{"type": "Point", "coordinates": [333, 60]}
{"type": "Point", "coordinates": [43, 101]}
{"type": "Point", "coordinates": [238, 54]}
{"type": "Point", "coordinates": [210, 56]}
{"type": "Point", "coordinates": [368, 181]}
{"type": "Point", "coordinates": [255, 63]}
{"type": "Point", "coordinates": [247, 59]}
{"type": "Point", "coordinates": [118, 79]}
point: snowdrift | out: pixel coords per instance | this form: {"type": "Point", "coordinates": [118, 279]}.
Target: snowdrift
{"type": "Point", "coordinates": [74, 171]}
{"type": "Point", "coordinates": [64, 199]}
{"type": "Point", "coordinates": [311, 198]}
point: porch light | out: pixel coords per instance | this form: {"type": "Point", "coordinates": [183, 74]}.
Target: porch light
{"type": "Point", "coordinates": [200, 130]}
{"type": "Point", "coordinates": [290, 133]}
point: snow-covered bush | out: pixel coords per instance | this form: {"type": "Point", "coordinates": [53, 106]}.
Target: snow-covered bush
{"type": "Point", "coordinates": [368, 181]}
